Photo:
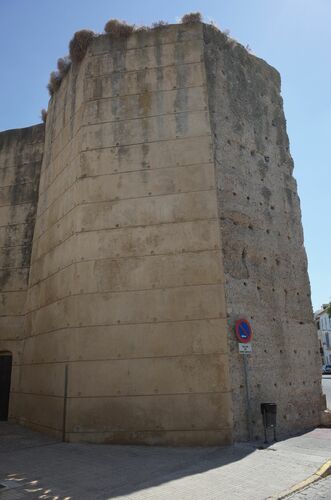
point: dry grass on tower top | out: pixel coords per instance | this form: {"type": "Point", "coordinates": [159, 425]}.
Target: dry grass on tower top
{"type": "Point", "coordinates": [54, 82]}
{"type": "Point", "coordinates": [79, 43]}
{"type": "Point", "coordinates": [63, 65]}
{"type": "Point", "coordinates": [118, 29]}
{"type": "Point", "coordinates": [193, 17]}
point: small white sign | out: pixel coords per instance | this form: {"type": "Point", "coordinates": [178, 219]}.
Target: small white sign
{"type": "Point", "coordinates": [245, 348]}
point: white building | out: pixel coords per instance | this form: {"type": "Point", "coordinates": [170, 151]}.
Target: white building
{"type": "Point", "coordinates": [323, 322]}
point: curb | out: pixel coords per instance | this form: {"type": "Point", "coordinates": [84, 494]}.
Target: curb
{"type": "Point", "coordinates": [321, 473]}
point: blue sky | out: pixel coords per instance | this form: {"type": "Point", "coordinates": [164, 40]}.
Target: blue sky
{"type": "Point", "coordinates": [292, 35]}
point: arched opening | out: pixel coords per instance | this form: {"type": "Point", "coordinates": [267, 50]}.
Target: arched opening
{"type": "Point", "coordinates": [6, 361]}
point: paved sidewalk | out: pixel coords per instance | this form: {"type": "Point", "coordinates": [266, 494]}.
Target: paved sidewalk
{"type": "Point", "coordinates": [317, 491]}
{"type": "Point", "coordinates": [35, 466]}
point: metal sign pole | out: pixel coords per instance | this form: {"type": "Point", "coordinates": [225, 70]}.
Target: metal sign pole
{"type": "Point", "coordinates": [248, 404]}
{"type": "Point", "coordinates": [244, 335]}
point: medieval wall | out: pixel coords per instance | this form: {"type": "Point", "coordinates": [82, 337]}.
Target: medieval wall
{"type": "Point", "coordinates": [265, 262]}
{"type": "Point", "coordinates": [167, 209]}
{"type": "Point", "coordinates": [20, 161]}
{"type": "Point", "coordinates": [126, 286]}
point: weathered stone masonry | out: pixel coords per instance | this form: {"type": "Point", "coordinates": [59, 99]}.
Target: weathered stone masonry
{"type": "Point", "coordinates": [166, 210]}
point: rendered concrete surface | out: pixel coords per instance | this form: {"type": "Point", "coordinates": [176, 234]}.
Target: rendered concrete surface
{"type": "Point", "coordinates": [21, 153]}
{"type": "Point", "coordinates": [166, 210]}
{"type": "Point", "coordinates": [33, 466]}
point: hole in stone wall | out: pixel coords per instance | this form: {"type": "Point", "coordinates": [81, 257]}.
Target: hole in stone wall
{"type": "Point", "coordinates": [268, 231]}
{"type": "Point", "coordinates": [234, 194]}
{"type": "Point", "coordinates": [250, 227]}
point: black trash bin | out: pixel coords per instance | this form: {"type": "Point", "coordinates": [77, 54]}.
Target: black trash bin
{"type": "Point", "coordinates": [269, 414]}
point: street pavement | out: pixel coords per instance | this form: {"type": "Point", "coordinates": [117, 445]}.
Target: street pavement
{"type": "Point", "coordinates": [326, 386]}
{"type": "Point", "coordinates": [34, 466]}
{"type": "Point", "coordinates": [318, 491]}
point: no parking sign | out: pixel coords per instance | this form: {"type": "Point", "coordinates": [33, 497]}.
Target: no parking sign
{"type": "Point", "coordinates": [244, 331]}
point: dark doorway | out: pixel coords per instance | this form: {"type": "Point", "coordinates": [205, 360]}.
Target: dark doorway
{"type": "Point", "coordinates": [5, 376]}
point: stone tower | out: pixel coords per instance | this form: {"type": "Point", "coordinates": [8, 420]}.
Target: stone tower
{"type": "Point", "coordinates": [167, 210]}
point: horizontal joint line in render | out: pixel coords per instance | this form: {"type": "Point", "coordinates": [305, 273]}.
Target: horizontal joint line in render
{"type": "Point", "coordinates": [134, 290]}
{"type": "Point", "coordinates": [141, 47]}
{"type": "Point", "coordinates": [16, 223]}
{"type": "Point", "coordinates": [133, 358]}
{"type": "Point", "coordinates": [123, 228]}
{"type": "Point", "coordinates": [16, 166]}
{"type": "Point", "coordinates": [41, 193]}
{"type": "Point", "coordinates": [127, 257]}
{"type": "Point", "coordinates": [114, 146]}
{"type": "Point", "coordinates": [2, 292]}
{"type": "Point", "coordinates": [63, 328]}
{"type": "Point", "coordinates": [116, 201]}
{"type": "Point", "coordinates": [24, 245]}
{"type": "Point", "coordinates": [119, 96]}
{"type": "Point", "coordinates": [117, 396]}
{"type": "Point", "coordinates": [17, 204]}
{"type": "Point", "coordinates": [142, 92]}
{"type": "Point", "coordinates": [17, 184]}
{"type": "Point", "coordinates": [155, 431]}
{"type": "Point", "coordinates": [199, 61]}
{"type": "Point", "coordinates": [203, 110]}
{"type": "Point", "coordinates": [12, 316]}
{"type": "Point", "coordinates": [172, 139]}
{"type": "Point", "coordinates": [122, 172]}
{"type": "Point", "coordinates": [13, 267]}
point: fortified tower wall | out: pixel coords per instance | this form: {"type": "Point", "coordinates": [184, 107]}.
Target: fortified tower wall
{"type": "Point", "coordinates": [167, 210]}
{"type": "Point", "coordinates": [265, 263]}
{"type": "Point", "coordinates": [21, 153]}
{"type": "Point", "coordinates": [126, 285]}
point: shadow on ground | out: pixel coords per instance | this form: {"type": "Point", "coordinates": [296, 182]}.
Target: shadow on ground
{"type": "Point", "coordinates": [35, 466]}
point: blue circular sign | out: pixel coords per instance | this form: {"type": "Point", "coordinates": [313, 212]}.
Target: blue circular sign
{"type": "Point", "coordinates": [243, 331]}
